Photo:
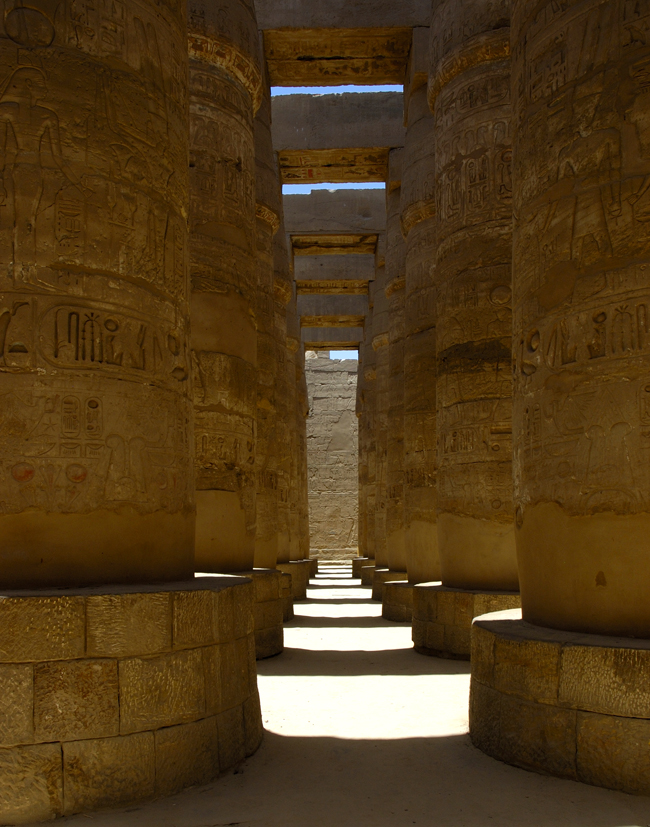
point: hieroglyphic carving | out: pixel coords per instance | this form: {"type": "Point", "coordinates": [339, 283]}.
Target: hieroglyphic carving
{"type": "Point", "coordinates": [582, 248]}
{"type": "Point", "coordinates": [93, 267]}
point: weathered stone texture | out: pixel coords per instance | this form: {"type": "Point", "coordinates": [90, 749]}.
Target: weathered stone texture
{"type": "Point", "coordinates": [225, 90]}
{"type": "Point", "coordinates": [470, 95]}
{"type": "Point", "coordinates": [117, 729]}
{"type": "Point", "coordinates": [96, 482]}
{"type": "Point", "coordinates": [332, 434]}
{"type": "Point", "coordinates": [418, 221]}
{"type": "Point", "coordinates": [395, 293]}
{"type": "Point", "coordinates": [568, 704]}
{"type": "Point", "coordinates": [581, 291]}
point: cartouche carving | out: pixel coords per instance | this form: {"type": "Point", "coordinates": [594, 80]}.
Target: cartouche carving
{"type": "Point", "coordinates": [96, 420]}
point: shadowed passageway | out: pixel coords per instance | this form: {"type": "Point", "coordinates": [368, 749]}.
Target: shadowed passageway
{"type": "Point", "coordinates": [362, 731]}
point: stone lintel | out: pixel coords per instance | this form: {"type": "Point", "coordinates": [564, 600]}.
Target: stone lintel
{"type": "Point", "coordinates": [304, 57]}
{"type": "Point", "coordinates": [322, 244]}
{"type": "Point", "coordinates": [335, 268]}
{"type": "Point", "coordinates": [338, 212]}
{"type": "Point", "coordinates": [336, 14]}
{"type": "Point", "coordinates": [350, 306]}
{"type": "Point", "coordinates": [335, 166]}
{"type": "Point", "coordinates": [332, 287]}
{"type": "Point", "coordinates": [332, 338]}
{"type": "Point", "coordinates": [337, 121]}
{"type": "Point", "coordinates": [561, 703]}
{"type": "Point", "coordinates": [332, 321]}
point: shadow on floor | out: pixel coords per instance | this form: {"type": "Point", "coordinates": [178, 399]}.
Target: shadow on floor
{"type": "Point", "coordinates": [347, 622]}
{"type": "Point", "coordinates": [334, 782]}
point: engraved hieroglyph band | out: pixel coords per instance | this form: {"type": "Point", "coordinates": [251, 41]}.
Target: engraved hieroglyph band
{"type": "Point", "coordinates": [229, 58]}
{"type": "Point", "coordinates": [415, 214]}
{"type": "Point", "coordinates": [486, 47]}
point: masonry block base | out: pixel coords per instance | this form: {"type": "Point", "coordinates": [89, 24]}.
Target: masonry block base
{"type": "Point", "coordinates": [442, 617]}
{"type": "Point", "coordinates": [313, 567]}
{"type": "Point", "coordinates": [367, 575]}
{"type": "Point", "coordinates": [299, 571]}
{"type": "Point", "coordinates": [397, 602]}
{"type": "Point", "coordinates": [382, 576]}
{"type": "Point", "coordinates": [268, 611]}
{"type": "Point", "coordinates": [358, 563]}
{"type": "Point", "coordinates": [571, 705]}
{"type": "Point", "coordinates": [113, 695]}
{"type": "Point", "coordinates": [287, 598]}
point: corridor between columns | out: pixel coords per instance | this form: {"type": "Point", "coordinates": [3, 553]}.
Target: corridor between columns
{"type": "Point", "coordinates": [360, 729]}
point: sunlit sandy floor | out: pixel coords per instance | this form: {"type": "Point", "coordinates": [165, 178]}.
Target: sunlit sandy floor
{"type": "Point", "coordinates": [362, 731]}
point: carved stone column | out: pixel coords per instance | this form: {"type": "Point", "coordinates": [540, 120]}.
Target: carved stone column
{"type": "Point", "coordinates": [268, 210]}
{"type": "Point", "coordinates": [582, 293]}
{"type": "Point", "coordinates": [580, 422]}
{"type": "Point", "coordinates": [225, 91]}
{"type": "Point", "coordinates": [283, 293]}
{"type": "Point", "coordinates": [380, 346]}
{"type": "Point", "coordinates": [469, 93]}
{"type": "Point", "coordinates": [419, 228]}
{"type": "Point", "coordinates": [395, 277]}
{"type": "Point", "coordinates": [95, 421]}
{"type": "Point", "coordinates": [365, 414]}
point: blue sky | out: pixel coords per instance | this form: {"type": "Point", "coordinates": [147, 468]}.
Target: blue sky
{"type": "Point", "coordinates": [344, 354]}
{"type": "Point", "coordinates": [330, 90]}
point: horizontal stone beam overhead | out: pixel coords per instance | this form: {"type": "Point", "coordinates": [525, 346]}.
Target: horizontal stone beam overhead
{"type": "Point", "coordinates": [335, 268]}
{"type": "Point", "coordinates": [332, 321]}
{"type": "Point", "coordinates": [334, 166]}
{"type": "Point", "coordinates": [337, 138]}
{"type": "Point", "coordinates": [319, 244]}
{"type": "Point", "coordinates": [336, 212]}
{"type": "Point", "coordinates": [331, 338]}
{"type": "Point", "coordinates": [332, 306]}
{"type": "Point", "coordinates": [333, 287]}
{"type": "Point", "coordinates": [336, 57]}
{"type": "Point", "coordinates": [337, 14]}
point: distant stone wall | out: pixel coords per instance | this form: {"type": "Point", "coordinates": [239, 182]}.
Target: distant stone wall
{"type": "Point", "coordinates": [332, 457]}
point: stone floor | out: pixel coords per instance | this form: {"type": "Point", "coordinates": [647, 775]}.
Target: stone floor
{"type": "Point", "coordinates": [363, 731]}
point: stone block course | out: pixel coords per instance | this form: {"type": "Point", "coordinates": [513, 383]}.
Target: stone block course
{"type": "Point", "coordinates": [568, 704]}
{"type": "Point", "coordinates": [114, 730]}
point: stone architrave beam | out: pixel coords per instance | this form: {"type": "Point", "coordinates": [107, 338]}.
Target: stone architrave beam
{"type": "Point", "coordinates": [332, 338]}
{"type": "Point", "coordinates": [337, 14]}
{"type": "Point", "coordinates": [334, 275]}
{"type": "Point", "coordinates": [323, 244]}
{"type": "Point", "coordinates": [337, 138]}
{"type": "Point", "coordinates": [304, 57]}
{"type": "Point", "coordinates": [332, 305]}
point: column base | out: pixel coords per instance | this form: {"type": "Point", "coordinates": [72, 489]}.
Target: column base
{"type": "Point", "coordinates": [358, 563]}
{"type": "Point", "coordinates": [397, 603]}
{"type": "Point", "coordinates": [299, 571]}
{"type": "Point", "coordinates": [442, 617]}
{"type": "Point", "coordinates": [114, 695]}
{"type": "Point", "coordinates": [313, 568]}
{"type": "Point", "coordinates": [367, 575]}
{"type": "Point", "coordinates": [268, 611]}
{"type": "Point", "coordinates": [381, 576]}
{"type": "Point", "coordinates": [560, 703]}
{"type": "Point", "coordinates": [287, 598]}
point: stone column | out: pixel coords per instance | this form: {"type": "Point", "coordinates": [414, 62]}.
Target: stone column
{"type": "Point", "coordinates": [96, 428]}
{"type": "Point", "coordinates": [96, 419]}
{"type": "Point", "coordinates": [268, 210]}
{"type": "Point", "coordinates": [395, 278]}
{"type": "Point", "coordinates": [581, 187]}
{"type": "Point", "coordinates": [365, 414]}
{"type": "Point", "coordinates": [581, 251]}
{"type": "Point", "coordinates": [380, 346]}
{"type": "Point", "coordinates": [225, 91]}
{"type": "Point", "coordinates": [469, 95]}
{"type": "Point", "coordinates": [418, 217]}
{"type": "Point", "coordinates": [283, 294]}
